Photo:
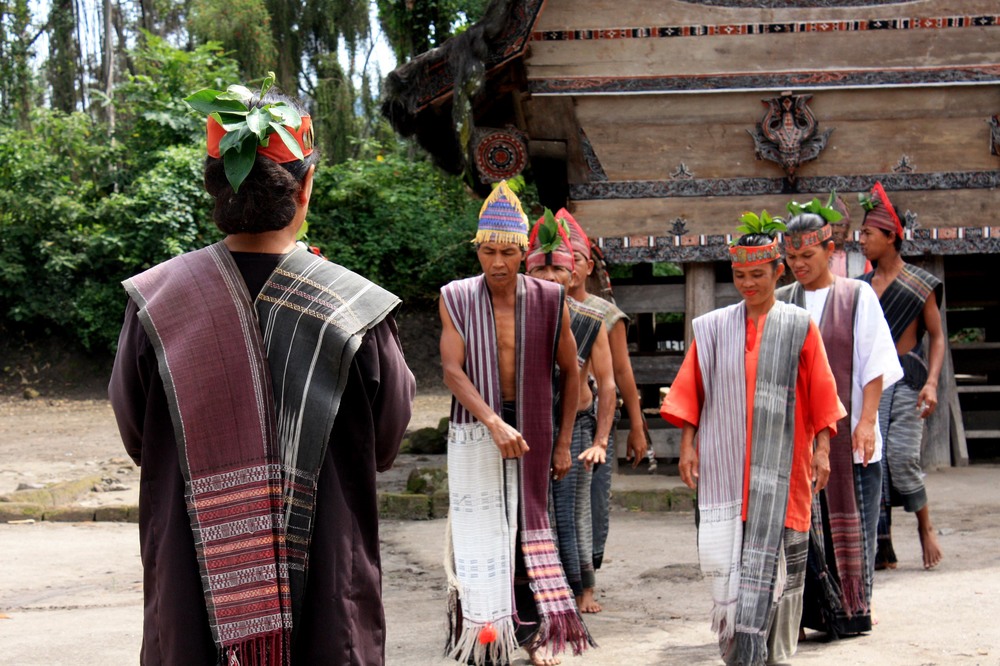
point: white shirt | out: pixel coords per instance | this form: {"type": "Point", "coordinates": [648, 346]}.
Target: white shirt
{"type": "Point", "coordinates": [874, 352]}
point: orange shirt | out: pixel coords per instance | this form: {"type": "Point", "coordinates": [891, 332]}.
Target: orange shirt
{"type": "Point", "coordinates": [816, 407]}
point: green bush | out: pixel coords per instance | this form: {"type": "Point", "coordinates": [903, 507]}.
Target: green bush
{"type": "Point", "coordinates": [402, 224]}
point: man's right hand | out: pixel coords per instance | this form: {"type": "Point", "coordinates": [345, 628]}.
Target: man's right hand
{"type": "Point", "coordinates": [688, 466]}
{"type": "Point", "coordinates": [508, 439]}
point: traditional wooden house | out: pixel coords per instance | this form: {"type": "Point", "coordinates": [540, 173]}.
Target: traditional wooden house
{"type": "Point", "coordinates": [658, 123]}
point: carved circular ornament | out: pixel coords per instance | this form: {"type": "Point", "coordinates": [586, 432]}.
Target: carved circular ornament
{"type": "Point", "coordinates": [500, 154]}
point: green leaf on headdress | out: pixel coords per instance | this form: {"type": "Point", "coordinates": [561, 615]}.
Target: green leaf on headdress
{"type": "Point", "coordinates": [549, 238]}
{"type": "Point", "coordinates": [866, 201]}
{"type": "Point", "coordinates": [209, 101]}
{"type": "Point", "coordinates": [239, 162]}
{"type": "Point", "coordinates": [288, 139]}
{"type": "Point", "coordinates": [759, 224]}
{"type": "Point", "coordinates": [816, 207]}
{"type": "Point", "coordinates": [266, 83]}
{"type": "Point", "coordinates": [231, 109]}
{"type": "Point", "coordinates": [285, 115]}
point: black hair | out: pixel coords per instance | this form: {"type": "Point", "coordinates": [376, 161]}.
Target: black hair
{"type": "Point", "coordinates": [266, 199]}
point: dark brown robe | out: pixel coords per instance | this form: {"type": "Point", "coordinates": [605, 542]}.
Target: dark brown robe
{"type": "Point", "coordinates": [342, 620]}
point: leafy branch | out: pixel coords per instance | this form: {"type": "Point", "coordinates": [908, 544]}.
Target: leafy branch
{"type": "Point", "coordinates": [247, 128]}
{"type": "Point", "coordinates": [759, 224]}
{"type": "Point", "coordinates": [827, 211]}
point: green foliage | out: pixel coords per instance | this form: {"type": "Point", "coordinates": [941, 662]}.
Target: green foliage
{"type": "Point", "coordinates": [816, 207]}
{"type": "Point", "coordinates": [242, 25]}
{"type": "Point", "coordinates": [759, 224]}
{"type": "Point", "coordinates": [65, 245]}
{"type": "Point", "coordinates": [150, 107]}
{"type": "Point", "coordinates": [247, 127]}
{"type": "Point", "coordinates": [549, 238]}
{"type": "Point", "coordinates": [403, 224]}
{"type": "Point", "coordinates": [415, 26]}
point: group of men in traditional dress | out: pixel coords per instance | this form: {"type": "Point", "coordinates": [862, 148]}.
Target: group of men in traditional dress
{"type": "Point", "coordinates": [793, 490]}
{"type": "Point", "coordinates": [261, 387]}
{"type": "Point", "coordinates": [532, 367]}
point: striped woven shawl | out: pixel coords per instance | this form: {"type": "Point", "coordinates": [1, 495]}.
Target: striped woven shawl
{"type": "Point", "coordinates": [585, 322]}
{"type": "Point", "coordinates": [488, 495]}
{"type": "Point", "coordinates": [840, 495]}
{"type": "Point", "coordinates": [741, 560]}
{"type": "Point", "coordinates": [253, 394]}
{"type": "Point", "coordinates": [903, 300]}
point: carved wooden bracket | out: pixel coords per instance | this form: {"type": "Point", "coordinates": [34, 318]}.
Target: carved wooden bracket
{"type": "Point", "coordinates": [787, 133]}
{"type": "Point", "coordinates": [994, 135]}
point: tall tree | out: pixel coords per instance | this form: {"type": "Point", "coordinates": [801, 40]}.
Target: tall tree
{"type": "Point", "coordinates": [415, 26]}
{"type": "Point", "coordinates": [16, 80]}
{"type": "Point", "coordinates": [62, 67]}
{"type": "Point", "coordinates": [244, 26]}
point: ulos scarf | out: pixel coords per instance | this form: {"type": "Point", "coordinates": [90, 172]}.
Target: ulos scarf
{"type": "Point", "coordinates": [740, 561]}
{"type": "Point", "coordinates": [837, 330]}
{"type": "Point", "coordinates": [490, 498]}
{"type": "Point", "coordinates": [585, 322]}
{"type": "Point", "coordinates": [253, 394]}
{"type": "Point", "coordinates": [902, 302]}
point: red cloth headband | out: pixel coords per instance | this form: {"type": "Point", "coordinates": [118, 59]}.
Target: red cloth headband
{"type": "Point", "coordinates": [276, 150]}
{"type": "Point", "coordinates": [743, 256]}
{"type": "Point", "coordinates": [883, 215]}
{"type": "Point", "coordinates": [799, 240]}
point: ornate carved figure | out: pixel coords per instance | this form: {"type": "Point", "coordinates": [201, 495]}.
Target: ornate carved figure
{"type": "Point", "coordinates": [787, 133]}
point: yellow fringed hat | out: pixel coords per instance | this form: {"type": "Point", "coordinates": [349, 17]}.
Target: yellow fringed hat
{"type": "Point", "coordinates": [501, 219]}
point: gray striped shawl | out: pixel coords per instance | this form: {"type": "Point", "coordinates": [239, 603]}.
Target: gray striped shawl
{"type": "Point", "coordinates": [741, 561]}
{"type": "Point", "coordinates": [313, 315]}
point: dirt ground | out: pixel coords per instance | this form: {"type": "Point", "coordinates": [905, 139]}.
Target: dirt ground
{"type": "Point", "coordinates": [71, 593]}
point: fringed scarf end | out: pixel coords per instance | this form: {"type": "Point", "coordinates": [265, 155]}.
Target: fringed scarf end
{"type": "Point", "coordinates": [724, 620]}
{"type": "Point", "coordinates": [853, 600]}
{"type": "Point", "coordinates": [558, 630]}
{"type": "Point", "coordinates": [271, 649]}
{"type": "Point", "coordinates": [748, 650]}
{"type": "Point", "coordinates": [466, 644]}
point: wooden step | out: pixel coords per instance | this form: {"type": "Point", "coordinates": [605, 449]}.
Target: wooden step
{"type": "Point", "coordinates": [977, 388]}
{"type": "Point", "coordinates": [982, 434]}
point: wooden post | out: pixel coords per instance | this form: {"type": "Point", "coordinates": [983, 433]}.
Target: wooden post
{"type": "Point", "coordinates": [937, 446]}
{"type": "Point", "coordinates": [699, 294]}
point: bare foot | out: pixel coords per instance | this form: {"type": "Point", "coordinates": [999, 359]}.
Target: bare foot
{"type": "Point", "coordinates": [541, 657]}
{"type": "Point", "coordinates": [932, 549]}
{"type": "Point", "coordinates": [587, 603]}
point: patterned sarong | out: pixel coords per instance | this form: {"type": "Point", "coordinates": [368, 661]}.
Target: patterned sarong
{"type": "Point", "coordinates": [239, 382]}
{"type": "Point", "coordinates": [742, 562]}
{"type": "Point", "coordinates": [835, 509]}
{"type": "Point", "coordinates": [492, 499]}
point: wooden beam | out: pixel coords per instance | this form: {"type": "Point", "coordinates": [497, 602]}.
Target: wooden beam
{"type": "Point", "coordinates": [937, 446]}
{"type": "Point", "coordinates": [699, 295]}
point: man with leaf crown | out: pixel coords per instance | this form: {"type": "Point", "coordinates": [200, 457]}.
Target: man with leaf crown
{"type": "Point", "coordinates": [911, 300]}
{"type": "Point", "coordinates": [503, 335]}
{"type": "Point", "coordinates": [838, 592]}
{"type": "Point", "coordinates": [757, 390]}
{"type": "Point", "coordinates": [259, 388]}
{"type": "Point", "coordinates": [551, 257]}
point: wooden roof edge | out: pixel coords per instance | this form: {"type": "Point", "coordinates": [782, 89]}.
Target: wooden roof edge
{"type": "Point", "coordinates": [429, 78]}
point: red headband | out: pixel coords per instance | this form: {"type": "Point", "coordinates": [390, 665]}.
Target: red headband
{"type": "Point", "coordinates": [744, 256]}
{"type": "Point", "coordinates": [558, 257]}
{"type": "Point", "coordinates": [276, 150]}
{"type": "Point", "coordinates": [801, 239]}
